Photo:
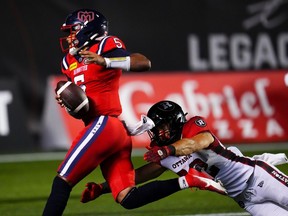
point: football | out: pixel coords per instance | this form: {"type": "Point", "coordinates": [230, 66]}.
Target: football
{"type": "Point", "coordinates": [73, 98]}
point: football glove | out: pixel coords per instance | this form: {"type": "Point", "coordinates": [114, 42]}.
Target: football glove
{"type": "Point", "coordinates": [157, 153]}
{"type": "Point", "coordinates": [91, 192]}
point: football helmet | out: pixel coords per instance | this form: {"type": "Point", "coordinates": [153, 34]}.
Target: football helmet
{"type": "Point", "coordinates": [169, 119]}
{"type": "Point", "coordinates": [83, 26]}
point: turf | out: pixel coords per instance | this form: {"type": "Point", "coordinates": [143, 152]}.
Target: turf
{"type": "Point", "coordinates": [25, 186]}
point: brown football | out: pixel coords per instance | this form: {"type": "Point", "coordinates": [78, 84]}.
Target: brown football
{"type": "Point", "coordinates": [73, 97]}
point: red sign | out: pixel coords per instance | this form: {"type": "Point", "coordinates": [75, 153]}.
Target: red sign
{"type": "Point", "coordinates": [240, 107]}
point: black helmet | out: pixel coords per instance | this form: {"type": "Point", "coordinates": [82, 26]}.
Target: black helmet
{"type": "Point", "coordinates": [88, 25]}
{"type": "Point", "coordinates": [170, 113]}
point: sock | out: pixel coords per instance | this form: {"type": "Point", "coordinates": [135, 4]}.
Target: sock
{"type": "Point", "coordinates": [105, 188]}
{"type": "Point", "coordinates": [183, 182]}
{"type": "Point", "coordinates": [58, 198]}
{"type": "Point", "coordinates": [150, 192]}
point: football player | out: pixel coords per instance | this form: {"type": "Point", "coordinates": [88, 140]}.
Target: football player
{"type": "Point", "coordinates": [177, 144]}
{"type": "Point", "coordinates": [257, 186]}
{"type": "Point", "coordinates": [94, 60]}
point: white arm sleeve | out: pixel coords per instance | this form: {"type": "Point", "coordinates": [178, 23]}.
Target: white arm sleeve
{"type": "Point", "coordinates": [274, 159]}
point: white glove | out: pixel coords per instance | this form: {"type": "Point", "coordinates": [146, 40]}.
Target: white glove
{"type": "Point", "coordinates": [141, 127]}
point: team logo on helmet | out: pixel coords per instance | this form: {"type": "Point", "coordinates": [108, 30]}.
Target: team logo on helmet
{"type": "Point", "coordinates": [85, 16]}
{"type": "Point", "coordinates": [200, 122]}
{"type": "Point", "coordinates": [166, 106]}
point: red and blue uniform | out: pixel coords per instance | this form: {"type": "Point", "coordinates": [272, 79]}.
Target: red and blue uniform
{"type": "Point", "coordinates": [104, 140]}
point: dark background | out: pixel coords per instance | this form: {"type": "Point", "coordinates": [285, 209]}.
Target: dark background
{"type": "Point", "coordinates": [30, 32]}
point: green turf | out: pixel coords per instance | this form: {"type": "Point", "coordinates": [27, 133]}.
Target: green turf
{"type": "Point", "coordinates": [24, 188]}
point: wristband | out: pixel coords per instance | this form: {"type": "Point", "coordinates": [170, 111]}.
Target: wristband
{"type": "Point", "coordinates": [171, 150]}
{"type": "Point", "coordinates": [119, 62]}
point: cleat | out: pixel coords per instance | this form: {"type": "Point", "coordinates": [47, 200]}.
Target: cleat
{"type": "Point", "coordinates": [203, 181]}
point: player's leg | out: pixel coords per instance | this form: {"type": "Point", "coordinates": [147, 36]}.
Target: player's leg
{"type": "Point", "coordinates": [156, 190]}
{"type": "Point", "coordinates": [120, 175]}
{"type": "Point", "coordinates": [197, 179]}
{"type": "Point", "coordinates": [118, 172]}
{"type": "Point", "coordinates": [270, 184]}
{"type": "Point", "coordinates": [118, 169]}
{"type": "Point", "coordinates": [77, 164]}
{"type": "Point", "coordinates": [266, 208]}
{"type": "Point", "coordinates": [58, 197]}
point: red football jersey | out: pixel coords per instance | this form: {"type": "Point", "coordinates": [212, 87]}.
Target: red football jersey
{"type": "Point", "coordinates": [100, 84]}
{"type": "Point", "coordinates": [194, 126]}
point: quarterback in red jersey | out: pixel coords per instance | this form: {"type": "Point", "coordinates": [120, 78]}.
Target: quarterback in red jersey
{"type": "Point", "coordinates": [94, 61]}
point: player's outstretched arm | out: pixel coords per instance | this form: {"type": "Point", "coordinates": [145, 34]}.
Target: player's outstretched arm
{"type": "Point", "coordinates": [139, 62]}
{"type": "Point", "coordinates": [148, 172]}
{"type": "Point", "coordinates": [181, 147]}
{"type": "Point", "coordinates": [135, 62]}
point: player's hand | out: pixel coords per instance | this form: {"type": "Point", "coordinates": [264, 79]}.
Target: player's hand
{"type": "Point", "coordinates": [59, 101]}
{"type": "Point", "coordinates": [92, 57]}
{"type": "Point", "coordinates": [157, 153]}
{"type": "Point", "coordinates": [91, 192]}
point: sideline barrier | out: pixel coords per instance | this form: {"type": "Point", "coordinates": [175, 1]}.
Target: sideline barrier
{"type": "Point", "coordinates": [240, 107]}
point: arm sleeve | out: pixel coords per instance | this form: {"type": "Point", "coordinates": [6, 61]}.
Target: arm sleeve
{"type": "Point", "coordinates": [274, 159]}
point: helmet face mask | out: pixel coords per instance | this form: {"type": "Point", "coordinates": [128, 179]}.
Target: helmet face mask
{"type": "Point", "coordinates": [169, 119]}
{"type": "Point", "coordinates": [70, 41]}
{"type": "Point", "coordinates": [83, 27]}
{"type": "Point", "coordinates": [162, 132]}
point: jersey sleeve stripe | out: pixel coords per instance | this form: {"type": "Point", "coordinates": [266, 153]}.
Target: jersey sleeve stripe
{"type": "Point", "coordinates": [101, 45]}
{"type": "Point", "coordinates": [220, 150]}
{"type": "Point", "coordinates": [64, 63]}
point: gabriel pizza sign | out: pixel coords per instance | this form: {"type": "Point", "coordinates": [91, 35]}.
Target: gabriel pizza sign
{"type": "Point", "coordinates": [242, 107]}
